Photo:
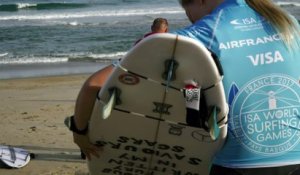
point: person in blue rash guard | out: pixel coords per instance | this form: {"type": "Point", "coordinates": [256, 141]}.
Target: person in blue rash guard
{"type": "Point", "coordinates": [257, 44]}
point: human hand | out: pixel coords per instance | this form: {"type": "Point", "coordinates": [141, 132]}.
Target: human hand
{"type": "Point", "coordinates": [86, 146]}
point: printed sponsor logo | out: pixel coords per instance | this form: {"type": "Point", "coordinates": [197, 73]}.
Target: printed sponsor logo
{"type": "Point", "coordinates": [266, 58]}
{"type": "Point", "coordinates": [249, 42]}
{"type": "Point", "coordinates": [247, 24]}
{"type": "Point", "coordinates": [244, 21]}
{"type": "Point", "coordinates": [265, 115]}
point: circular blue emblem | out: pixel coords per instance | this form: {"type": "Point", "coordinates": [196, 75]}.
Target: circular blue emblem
{"type": "Point", "coordinates": [265, 115]}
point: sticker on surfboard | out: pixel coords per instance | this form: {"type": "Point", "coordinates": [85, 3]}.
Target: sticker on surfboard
{"type": "Point", "coordinates": [129, 79]}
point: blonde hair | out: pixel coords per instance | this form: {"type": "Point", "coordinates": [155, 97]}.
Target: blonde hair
{"type": "Point", "coordinates": [279, 19]}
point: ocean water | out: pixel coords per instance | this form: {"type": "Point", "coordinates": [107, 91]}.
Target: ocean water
{"type": "Point", "coordinates": [54, 37]}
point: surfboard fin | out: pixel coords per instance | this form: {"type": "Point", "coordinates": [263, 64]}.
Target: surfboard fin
{"type": "Point", "coordinates": [213, 126]}
{"type": "Point", "coordinates": [170, 67]}
{"type": "Point", "coordinates": [114, 100]}
{"type": "Point", "coordinates": [12, 154]}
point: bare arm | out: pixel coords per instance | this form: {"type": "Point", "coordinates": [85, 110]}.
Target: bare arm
{"type": "Point", "coordinates": [87, 95]}
{"type": "Point", "coordinates": [84, 107]}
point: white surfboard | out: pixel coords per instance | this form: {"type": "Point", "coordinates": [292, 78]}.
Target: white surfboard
{"type": "Point", "coordinates": [139, 117]}
{"type": "Point", "coordinates": [14, 157]}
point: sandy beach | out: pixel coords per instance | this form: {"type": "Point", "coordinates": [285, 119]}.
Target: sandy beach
{"type": "Point", "coordinates": [32, 112]}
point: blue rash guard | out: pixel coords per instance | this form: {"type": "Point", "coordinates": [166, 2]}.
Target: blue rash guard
{"type": "Point", "coordinates": [262, 86]}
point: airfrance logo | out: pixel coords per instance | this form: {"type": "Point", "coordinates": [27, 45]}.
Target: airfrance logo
{"type": "Point", "coordinates": [265, 115]}
{"type": "Point", "coordinates": [249, 42]}
{"type": "Point", "coordinates": [247, 24]}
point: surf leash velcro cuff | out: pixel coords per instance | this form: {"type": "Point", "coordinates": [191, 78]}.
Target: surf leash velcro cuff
{"type": "Point", "coordinates": [70, 123]}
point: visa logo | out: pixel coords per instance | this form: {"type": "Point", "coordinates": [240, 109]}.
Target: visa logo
{"type": "Point", "coordinates": [266, 58]}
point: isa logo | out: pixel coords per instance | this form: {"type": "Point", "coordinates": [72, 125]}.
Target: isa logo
{"type": "Point", "coordinates": [265, 114]}
{"type": "Point", "coordinates": [247, 24]}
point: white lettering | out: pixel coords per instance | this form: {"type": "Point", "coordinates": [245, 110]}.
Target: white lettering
{"type": "Point", "coordinates": [269, 58]}
{"type": "Point", "coordinates": [250, 42]}
{"type": "Point", "coordinates": [234, 44]}
{"type": "Point", "coordinates": [270, 136]}
{"type": "Point", "coordinates": [222, 46]}
{"type": "Point", "coordinates": [249, 21]}
{"type": "Point", "coordinates": [279, 114]}
{"type": "Point", "coordinates": [278, 57]}
{"type": "Point", "coordinates": [266, 58]}
{"type": "Point", "coordinates": [254, 60]}
{"type": "Point", "coordinates": [242, 43]}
